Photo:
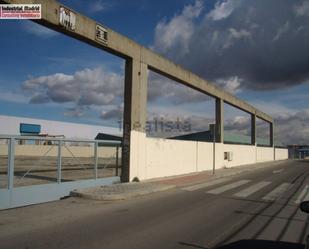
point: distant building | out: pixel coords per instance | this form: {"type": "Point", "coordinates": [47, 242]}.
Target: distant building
{"type": "Point", "coordinates": [231, 138]}
{"type": "Point", "coordinates": [108, 137]}
{"type": "Point", "coordinates": [298, 151]}
{"type": "Point", "coordinates": [12, 126]}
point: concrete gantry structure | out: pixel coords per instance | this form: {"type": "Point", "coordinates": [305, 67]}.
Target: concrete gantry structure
{"type": "Point", "coordinates": [138, 60]}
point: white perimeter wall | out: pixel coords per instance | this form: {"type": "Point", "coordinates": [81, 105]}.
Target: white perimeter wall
{"type": "Point", "coordinates": [155, 157]}
{"type": "Point", "coordinates": [264, 154]}
{"type": "Point", "coordinates": [167, 157]}
{"type": "Point", "coordinates": [281, 154]}
{"type": "Point", "coordinates": [242, 154]}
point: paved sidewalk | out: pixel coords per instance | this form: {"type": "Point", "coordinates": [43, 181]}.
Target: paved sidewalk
{"type": "Point", "coordinates": [199, 177]}
{"type": "Point", "coordinates": [123, 191]}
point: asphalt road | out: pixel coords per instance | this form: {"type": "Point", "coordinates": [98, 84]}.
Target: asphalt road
{"type": "Point", "coordinates": [252, 210]}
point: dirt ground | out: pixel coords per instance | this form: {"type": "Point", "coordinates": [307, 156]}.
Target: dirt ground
{"type": "Point", "coordinates": [41, 170]}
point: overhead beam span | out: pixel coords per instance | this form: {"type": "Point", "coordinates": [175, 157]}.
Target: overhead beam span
{"type": "Point", "coordinates": [119, 45]}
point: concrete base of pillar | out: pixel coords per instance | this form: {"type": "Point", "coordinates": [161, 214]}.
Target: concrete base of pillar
{"type": "Point", "coordinates": [138, 155]}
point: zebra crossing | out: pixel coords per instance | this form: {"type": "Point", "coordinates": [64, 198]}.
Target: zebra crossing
{"type": "Point", "coordinates": [304, 195]}
{"type": "Point", "coordinates": [277, 192]}
{"type": "Point", "coordinates": [252, 189]}
{"type": "Point", "coordinates": [246, 188]}
{"type": "Point", "coordinates": [227, 187]}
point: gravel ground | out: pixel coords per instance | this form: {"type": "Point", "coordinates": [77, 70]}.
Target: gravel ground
{"type": "Point", "coordinates": [44, 169]}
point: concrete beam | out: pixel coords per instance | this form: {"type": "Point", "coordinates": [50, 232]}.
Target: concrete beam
{"type": "Point", "coordinates": [124, 47]}
{"type": "Point", "coordinates": [135, 109]}
{"type": "Point", "coordinates": [219, 121]}
{"type": "Point", "coordinates": [85, 30]}
{"type": "Point", "coordinates": [253, 129]}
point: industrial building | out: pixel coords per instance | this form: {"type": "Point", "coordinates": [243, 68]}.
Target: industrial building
{"type": "Point", "coordinates": [12, 126]}
{"type": "Point", "coordinates": [298, 151]}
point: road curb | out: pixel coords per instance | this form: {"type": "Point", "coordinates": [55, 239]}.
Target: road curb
{"type": "Point", "coordinates": [123, 191]}
{"type": "Point", "coordinates": [120, 191]}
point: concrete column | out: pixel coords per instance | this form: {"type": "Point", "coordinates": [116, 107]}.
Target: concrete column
{"type": "Point", "coordinates": [219, 120]}
{"type": "Point", "coordinates": [272, 139]}
{"type": "Point", "coordinates": [271, 134]}
{"type": "Point", "coordinates": [253, 129]}
{"type": "Point", "coordinates": [135, 111]}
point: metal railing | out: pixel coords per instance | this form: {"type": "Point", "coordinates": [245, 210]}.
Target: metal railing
{"type": "Point", "coordinates": [60, 144]}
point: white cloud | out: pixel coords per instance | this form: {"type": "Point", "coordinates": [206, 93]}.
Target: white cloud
{"type": "Point", "coordinates": [98, 87]}
{"type": "Point", "coordinates": [11, 96]}
{"type": "Point", "coordinates": [233, 36]}
{"type": "Point", "coordinates": [293, 128]}
{"type": "Point", "coordinates": [281, 31]}
{"type": "Point", "coordinates": [160, 87]}
{"type": "Point", "coordinates": [84, 88]}
{"type": "Point", "coordinates": [273, 108]}
{"type": "Point", "coordinates": [239, 34]}
{"type": "Point", "coordinates": [178, 121]}
{"type": "Point", "coordinates": [192, 11]}
{"type": "Point", "coordinates": [302, 9]}
{"type": "Point", "coordinates": [238, 125]}
{"type": "Point", "coordinates": [223, 9]}
{"type": "Point", "coordinates": [38, 30]}
{"type": "Point", "coordinates": [290, 127]}
{"type": "Point", "coordinates": [115, 113]}
{"type": "Point", "coordinates": [76, 112]}
{"type": "Point", "coordinates": [177, 31]}
{"type": "Point", "coordinates": [97, 6]}
{"type": "Point", "coordinates": [237, 38]}
{"type": "Point", "coordinates": [231, 85]}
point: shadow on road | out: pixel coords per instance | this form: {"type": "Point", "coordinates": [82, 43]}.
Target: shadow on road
{"type": "Point", "coordinates": [252, 244]}
{"type": "Point", "coordinates": [303, 161]}
{"type": "Point", "coordinates": [258, 244]}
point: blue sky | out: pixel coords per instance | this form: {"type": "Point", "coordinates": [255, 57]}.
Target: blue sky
{"type": "Point", "coordinates": [246, 47]}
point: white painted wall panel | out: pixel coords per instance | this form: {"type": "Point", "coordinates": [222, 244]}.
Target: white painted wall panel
{"type": "Point", "coordinates": [281, 154]}
{"type": "Point", "coordinates": [264, 154]}
{"type": "Point", "coordinates": [170, 157]}
{"type": "Point", "coordinates": [204, 156]}
{"type": "Point", "coordinates": [242, 154]}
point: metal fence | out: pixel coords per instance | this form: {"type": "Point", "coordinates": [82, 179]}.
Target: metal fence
{"type": "Point", "coordinates": [55, 160]}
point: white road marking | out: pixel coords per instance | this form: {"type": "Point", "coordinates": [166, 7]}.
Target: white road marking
{"type": "Point", "coordinates": [228, 187]}
{"type": "Point", "coordinates": [277, 171]}
{"type": "Point", "coordinates": [276, 193]}
{"type": "Point", "coordinates": [206, 184]}
{"type": "Point", "coordinates": [252, 189]}
{"type": "Point", "coordinates": [304, 195]}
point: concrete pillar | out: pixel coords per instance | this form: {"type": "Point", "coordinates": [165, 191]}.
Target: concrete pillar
{"type": "Point", "coordinates": [219, 120]}
{"type": "Point", "coordinates": [135, 112]}
{"type": "Point", "coordinates": [253, 134]}
{"type": "Point", "coordinates": [271, 134]}
{"type": "Point", "coordinates": [272, 139]}
{"type": "Point", "coordinates": [253, 129]}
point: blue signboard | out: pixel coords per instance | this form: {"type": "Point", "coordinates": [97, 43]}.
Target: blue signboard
{"type": "Point", "coordinates": [29, 128]}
